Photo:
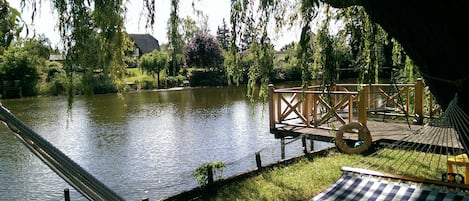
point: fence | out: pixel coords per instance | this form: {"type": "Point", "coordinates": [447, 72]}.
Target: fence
{"type": "Point", "coordinates": [318, 106]}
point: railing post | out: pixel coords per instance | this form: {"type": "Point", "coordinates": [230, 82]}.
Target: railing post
{"type": "Point", "coordinates": [374, 95]}
{"type": "Point", "coordinates": [362, 103]}
{"type": "Point", "coordinates": [271, 106]}
{"type": "Point", "coordinates": [419, 96]}
{"type": "Point", "coordinates": [307, 107]}
{"type": "Point", "coordinates": [278, 97]}
{"type": "Point", "coordinates": [350, 108]}
{"type": "Point", "coordinates": [407, 99]}
{"type": "Point", "coordinates": [304, 105]}
{"type": "Point", "coordinates": [315, 110]}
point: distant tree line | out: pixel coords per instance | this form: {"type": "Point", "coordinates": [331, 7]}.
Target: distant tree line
{"type": "Point", "coordinates": [241, 52]}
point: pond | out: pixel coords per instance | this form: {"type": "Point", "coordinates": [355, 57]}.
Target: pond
{"type": "Point", "coordinates": [137, 143]}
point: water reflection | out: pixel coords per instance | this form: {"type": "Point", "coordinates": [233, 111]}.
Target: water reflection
{"type": "Point", "coordinates": [140, 141]}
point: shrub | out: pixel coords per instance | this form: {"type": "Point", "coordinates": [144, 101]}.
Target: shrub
{"type": "Point", "coordinates": [210, 78]}
{"type": "Point", "coordinates": [201, 173]}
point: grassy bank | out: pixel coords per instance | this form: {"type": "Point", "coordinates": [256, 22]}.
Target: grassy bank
{"type": "Point", "coordinates": [299, 181]}
{"type": "Point", "coordinates": [307, 178]}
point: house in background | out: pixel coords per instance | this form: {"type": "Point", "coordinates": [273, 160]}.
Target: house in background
{"type": "Point", "coordinates": [144, 43]}
{"type": "Point", "coordinates": [57, 57]}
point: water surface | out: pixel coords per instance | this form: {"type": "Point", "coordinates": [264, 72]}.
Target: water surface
{"type": "Point", "coordinates": [137, 142]}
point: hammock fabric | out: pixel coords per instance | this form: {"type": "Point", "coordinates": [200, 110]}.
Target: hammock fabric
{"type": "Point", "coordinates": [352, 186]}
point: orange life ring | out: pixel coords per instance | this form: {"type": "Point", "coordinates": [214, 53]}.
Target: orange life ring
{"type": "Point", "coordinates": [363, 135]}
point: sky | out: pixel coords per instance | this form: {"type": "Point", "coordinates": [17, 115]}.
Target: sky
{"type": "Point", "coordinates": [46, 20]}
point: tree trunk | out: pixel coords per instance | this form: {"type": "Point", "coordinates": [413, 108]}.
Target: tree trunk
{"type": "Point", "coordinates": [158, 80]}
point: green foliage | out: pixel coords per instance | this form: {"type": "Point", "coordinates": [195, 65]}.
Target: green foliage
{"type": "Point", "coordinates": [39, 46]}
{"type": "Point", "coordinates": [17, 63]}
{"type": "Point", "coordinates": [92, 32]}
{"type": "Point", "coordinates": [91, 28]}
{"type": "Point", "coordinates": [248, 22]}
{"type": "Point", "coordinates": [146, 83]}
{"type": "Point", "coordinates": [260, 69]}
{"type": "Point", "coordinates": [175, 41]}
{"type": "Point", "coordinates": [102, 84]}
{"type": "Point", "coordinates": [305, 54]}
{"type": "Point", "coordinates": [367, 41]}
{"type": "Point", "coordinates": [201, 172]}
{"type": "Point", "coordinates": [203, 51]}
{"type": "Point", "coordinates": [54, 81]}
{"type": "Point", "coordinates": [154, 62]}
{"type": "Point", "coordinates": [233, 66]}
{"type": "Point", "coordinates": [408, 70]}
{"type": "Point", "coordinates": [305, 179]}
{"type": "Point", "coordinates": [286, 66]}
{"type": "Point", "coordinates": [223, 36]}
{"type": "Point", "coordinates": [173, 81]}
{"type": "Point", "coordinates": [298, 181]}
{"type": "Point", "coordinates": [10, 25]}
{"type": "Point", "coordinates": [207, 78]}
{"type": "Point", "coordinates": [189, 28]}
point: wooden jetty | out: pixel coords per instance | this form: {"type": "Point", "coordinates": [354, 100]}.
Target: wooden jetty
{"type": "Point", "coordinates": [389, 111]}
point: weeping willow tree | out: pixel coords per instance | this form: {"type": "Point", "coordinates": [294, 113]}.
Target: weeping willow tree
{"type": "Point", "coordinates": [250, 26]}
{"type": "Point", "coordinates": [10, 25]}
{"type": "Point", "coordinates": [318, 50]}
{"type": "Point", "coordinates": [94, 41]}
{"type": "Point", "coordinates": [175, 40]}
{"type": "Point", "coordinates": [95, 27]}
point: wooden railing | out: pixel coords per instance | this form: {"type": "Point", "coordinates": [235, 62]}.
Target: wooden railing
{"type": "Point", "coordinates": [317, 106]}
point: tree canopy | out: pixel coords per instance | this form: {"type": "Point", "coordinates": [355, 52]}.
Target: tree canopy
{"type": "Point", "coordinates": [204, 51]}
{"type": "Point", "coordinates": [428, 32]}
{"type": "Point", "coordinates": [10, 24]}
{"type": "Point", "coordinates": [155, 62]}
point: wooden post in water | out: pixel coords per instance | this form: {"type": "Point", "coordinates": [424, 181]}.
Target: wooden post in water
{"type": "Point", "coordinates": [145, 196]}
{"type": "Point", "coordinates": [282, 147]}
{"type": "Point", "coordinates": [419, 94]}
{"type": "Point", "coordinates": [271, 106]}
{"type": "Point", "coordinates": [311, 145]}
{"type": "Point", "coordinates": [258, 161]}
{"type": "Point", "coordinates": [210, 175]}
{"type": "Point", "coordinates": [67, 194]}
{"type": "Point", "coordinates": [303, 143]}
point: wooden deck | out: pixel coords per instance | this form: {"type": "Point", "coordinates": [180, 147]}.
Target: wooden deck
{"type": "Point", "coordinates": [318, 112]}
{"type": "Point", "coordinates": [383, 132]}
{"type": "Point", "coordinates": [378, 129]}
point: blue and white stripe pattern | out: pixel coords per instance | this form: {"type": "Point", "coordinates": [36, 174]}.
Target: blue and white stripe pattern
{"type": "Point", "coordinates": [355, 187]}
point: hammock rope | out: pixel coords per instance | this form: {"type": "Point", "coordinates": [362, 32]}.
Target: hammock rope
{"type": "Point", "coordinates": [416, 165]}
{"type": "Point", "coordinates": [61, 164]}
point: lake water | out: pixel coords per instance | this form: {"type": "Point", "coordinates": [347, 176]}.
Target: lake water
{"type": "Point", "coordinates": [138, 142]}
